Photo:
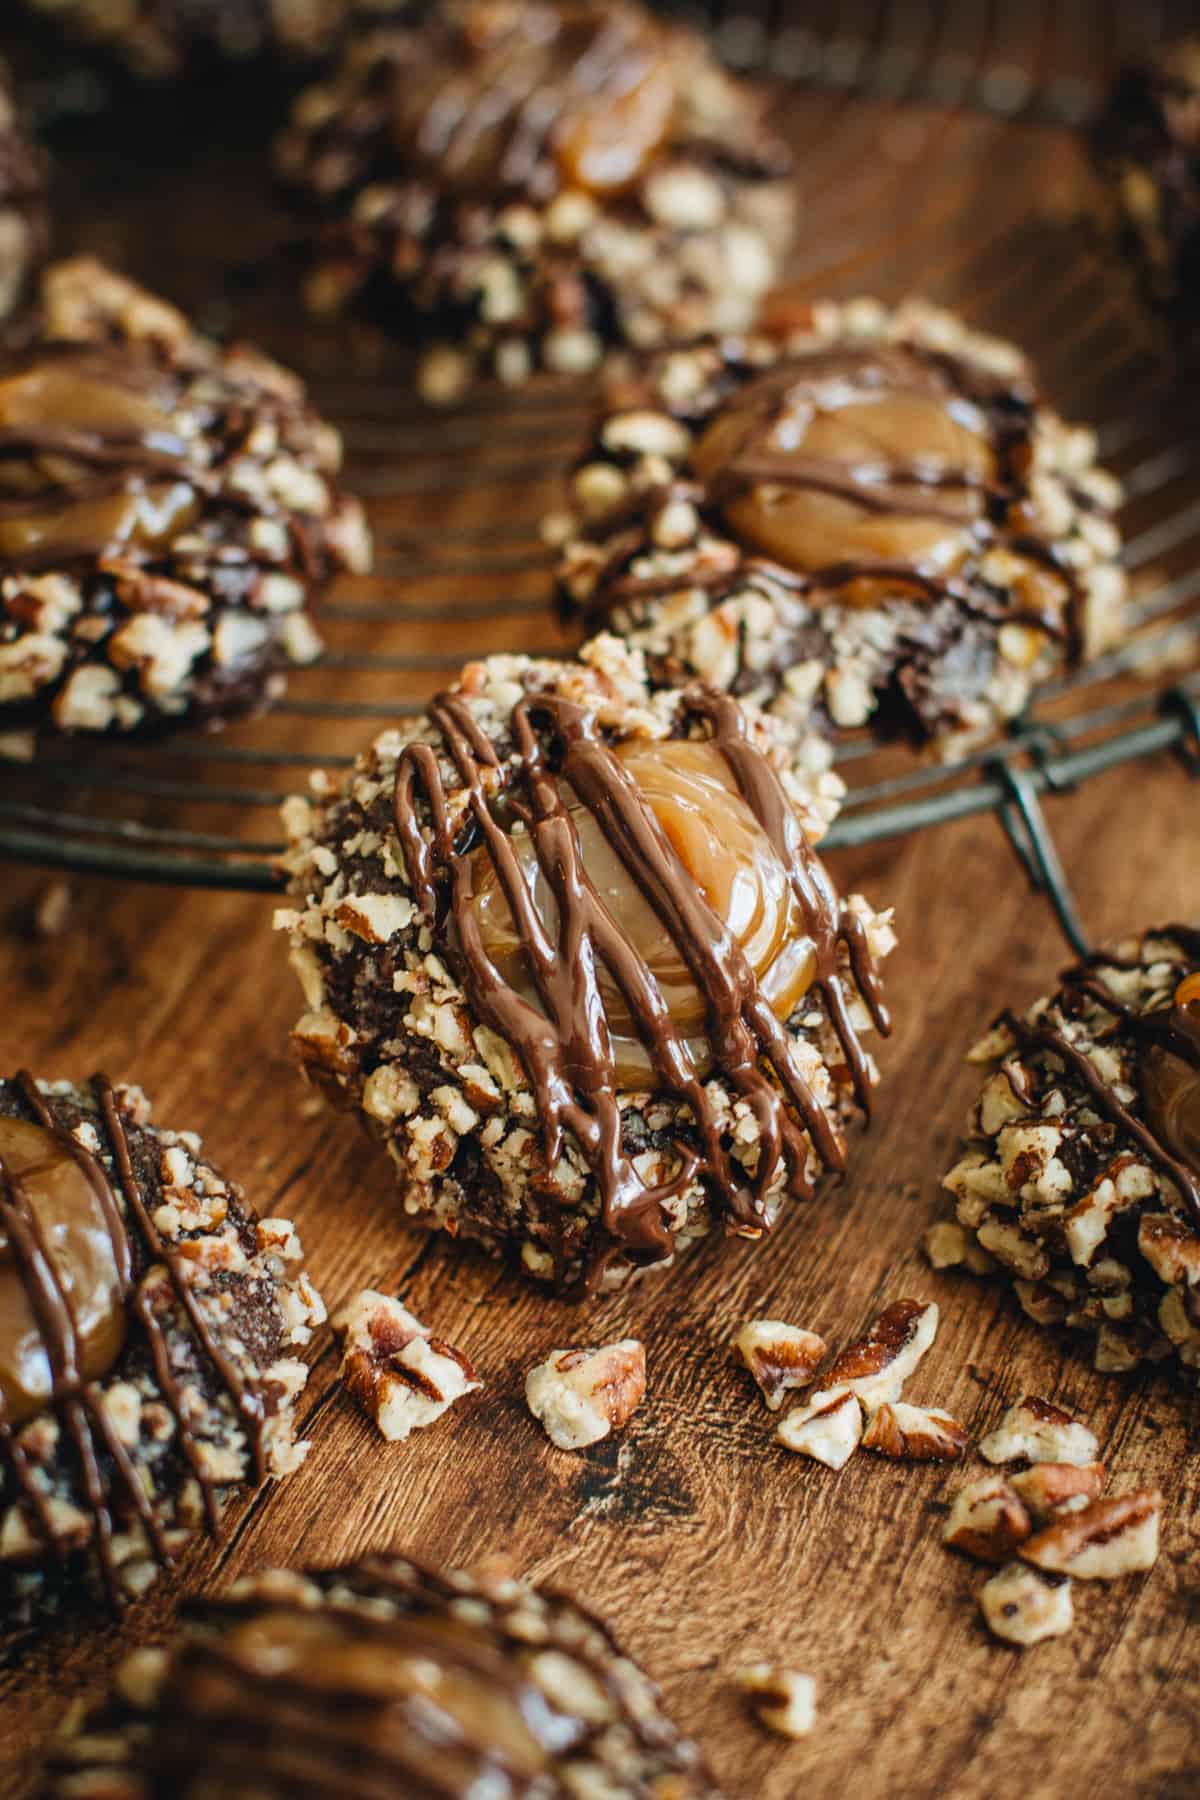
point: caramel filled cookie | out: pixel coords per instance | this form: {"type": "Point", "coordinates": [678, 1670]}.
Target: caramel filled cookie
{"type": "Point", "coordinates": [537, 182]}
{"type": "Point", "coordinates": [167, 511]}
{"type": "Point", "coordinates": [1081, 1176]}
{"type": "Point", "coordinates": [861, 517]}
{"type": "Point", "coordinates": [24, 207]}
{"type": "Point", "coordinates": [147, 1320]}
{"type": "Point", "coordinates": [1146, 147]}
{"type": "Point", "coordinates": [377, 1679]}
{"type": "Point", "coordinates": [566, 944]}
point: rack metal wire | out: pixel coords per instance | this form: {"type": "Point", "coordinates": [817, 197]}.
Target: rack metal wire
{"type": "Point", "coordinates": [936, 148]}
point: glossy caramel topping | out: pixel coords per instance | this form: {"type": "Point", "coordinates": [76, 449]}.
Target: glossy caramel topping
{"type": "Point", "coordinates": [1171, 1090]}
{"type": "Point", "coordinates": [422, 1703]}
{"type": "Point", "coordinates": [852, 457]}
{"type": "Point", "coordinates": [88, 392]}
{"type": "Point", "coordinates": [64, 1212]}
{"type": "Point", "coordinates": [692, 794]}
{"type": "Point", "coordinates": [514, 92]}
{"type": "Point", "coordinates": [91, 461]}
{"type": "Point", "coordinates": [1171, 1078]}
{"type": "Point", "coordinates": [135, 516]}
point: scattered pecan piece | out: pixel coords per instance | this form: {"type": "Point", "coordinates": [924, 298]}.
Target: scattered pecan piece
{"type": "Point", "coordinates": [579, 1396]}
{"type": "Point", "coordinates": [399, 1373]}
{"type": "Point", "coordinates": [781, 1699]}
{"type": "Point", "coordinates": [1109, 1538]}
{"type": "Point", "coordinates": [1022, 1607]}
{"type": "Point", "coordinates": [988, 1520]}
{"type": "Point", "coordinates": [914, 1433]}
{"type": "Point", "coordinates": [828, 1428]}
{"type": "Point", "coordinates": [779, 1356]}
{"type": "Point", "coordinates": [1035, 1431]}
{"type": "Point", "coordinates": [1048, 1486]}
{"type": "Point", "coordinates": [877, 1366]}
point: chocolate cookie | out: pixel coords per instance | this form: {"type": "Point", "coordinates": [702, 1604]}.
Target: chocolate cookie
{"type": "Point", "coordinates": [160, 39]}
{"type": "Point", "coordinates": [537, 182]}
{"type": "Point", "coordinates": [147, 1321]}
{"type": "Point", "coordinates": [859, 515]}
{"type": "Point", "coordinates": [377, 1679]}
{"type": "Point", "coordinates": [167, 511]}
{"type": "Point", "coordinates": [24, 208]}
{"type": "Point", "coordinates": [1146, 147]}
{"type": "Point", "coordinates": [1081, 1178]}
{"type": "Point", "coordinates": [566, 944]}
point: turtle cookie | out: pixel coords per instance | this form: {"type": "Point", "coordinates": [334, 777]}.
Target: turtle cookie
{"type": "Point", "coordinates": [168, 510]}
{"type": "Point", "coordinates": [382, 1678]}
{"type": "Point", "coordinates": [148, 1328]}
{"type": "Point", "coordinates": [865, 517]}
{"type": "Point", "coordinates": [1080, 1179]}
{"type": "Point", "coordinates": [537, 182]}
{"type": "Point", "coordinates": [566, 944]}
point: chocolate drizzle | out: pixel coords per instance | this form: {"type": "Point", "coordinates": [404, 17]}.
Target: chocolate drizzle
{"type": "Point", "coordinates": [1002, 413]}
{"type": "Point", "coordinates": [79, 1404]}
{"type": "Point", "coordinates": [564, 1043]}
{"type": "Point", "coordinates": [1173, 1028]}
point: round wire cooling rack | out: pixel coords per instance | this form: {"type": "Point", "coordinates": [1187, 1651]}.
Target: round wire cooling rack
{"type": "Point", "coordinates": [936, 149]}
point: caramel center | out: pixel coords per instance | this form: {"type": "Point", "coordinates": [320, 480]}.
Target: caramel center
{"type": "Point", "coordinates": [607, 141]}
{"type": "Point", "coordinates": [89, 464]}
{"type": "Point", "coordinates": [690, 791]}
{"type": "Point", "coordinates": [588, 89]}
{"type": "Point", "coordinates": [72, 1234]}
{"type": "Point", "coordinates": [857, 461]}
{"type": "Point", "coordinates": [1171, 1083]}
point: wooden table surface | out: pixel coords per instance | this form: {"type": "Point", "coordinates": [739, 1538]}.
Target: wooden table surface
{"type": "Point", "coordinates": [703, 1541]}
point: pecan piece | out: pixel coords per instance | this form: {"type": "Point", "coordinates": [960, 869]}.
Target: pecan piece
{"type": "Point", "coordinates": [1048, 1486]}
{"type": "Point", "coordinates": [877, 1366]}
{"type": "Point", "coordinates": [781, 1699]}
{"type": "Point", "coordinates": [1022, 1607]}
{"type": "Point", "coordinates": [1035, 1431]}
{"type": "Point", "coordinates": [1109, 1538]}
{"type": "Point", "coordinates": [399, 1373]}
{"type": "Point", "coordinates": [579, 1396]}
{"type": "Point", "coordinates": [779, 1356]}
{"type": "Point", "coordinates": [828, 1429]}
{"type": "Point", "coordinates": [914, 1433]}
{"type": "Point", "coordinates": [988, 1520]}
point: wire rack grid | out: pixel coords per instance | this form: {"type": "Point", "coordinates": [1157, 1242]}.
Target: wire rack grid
{"type": "Point", "coordinates": [937, 152]}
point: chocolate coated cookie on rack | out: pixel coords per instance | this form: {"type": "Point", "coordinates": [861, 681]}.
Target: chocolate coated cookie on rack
{"type": "Point", "coordinates": [148, 1324]}
{"type": "Point", "coordinates": [381, 1678]}
{"type": "Point", "coordinates": [537, 182]}
{"type": "Point", "coordinates": [24, 205]}
{"type": "Point", "coordinates": [858, 515]}
{"type": "Point", "coordinates": [163, 39]}
{"type": "Point", "coordinates": [1146, 147]}
{"type": "Point", "coordinates": [1081, 1176]}
{"type": "Point", "coordinates": [565, 943]}
{"type": "Point", "coordinates": [168, 510]}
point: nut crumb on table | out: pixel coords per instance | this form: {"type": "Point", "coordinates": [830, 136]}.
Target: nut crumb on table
{"type": "Point", "coordinates": [402, 1376]}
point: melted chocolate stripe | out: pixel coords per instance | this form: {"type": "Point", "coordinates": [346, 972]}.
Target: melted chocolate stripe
{"type": "Point", "coordinates": [565, 1045]}
{"type": "Point", "coordinates": [247, 1398]}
